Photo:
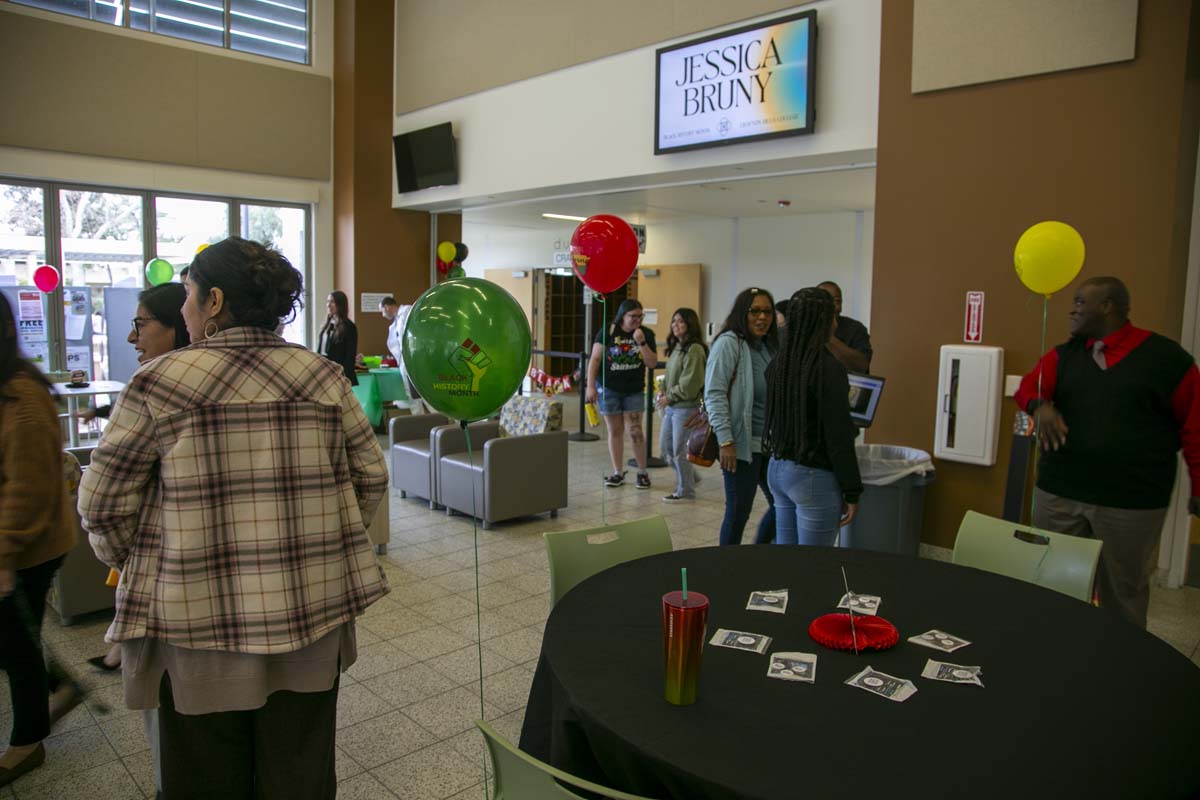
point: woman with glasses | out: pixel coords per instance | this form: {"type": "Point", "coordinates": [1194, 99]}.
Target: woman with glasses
{"type": "Point", "coordinates": [623, 351]}
{"type": "Point", "coordinates": [231, 488]}
{"type": "Point", "coordinates": [156, 329]}
{"type": "Point", "coordinates": [735, 396]}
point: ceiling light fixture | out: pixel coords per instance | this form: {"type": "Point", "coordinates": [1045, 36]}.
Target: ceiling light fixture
{"type": "Point", "coordinates": [563, 216]}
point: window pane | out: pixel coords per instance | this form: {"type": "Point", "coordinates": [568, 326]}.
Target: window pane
{"type": "Point", "coordinates": [76, 8]}
{"type": "Point", "coordinates": [286, 230]}
{"type": "Point", "coordinates": [102, 246]}
{"type": "Point", "coordinates": [109, 11]}
{"type": "Point", "coordinates": [194, 20]}
{"type": "Point", "coordinates": [22, 249]}
{"type": "Point", "coordinates": [183, 224]}
{"type": "Point", "coordinates": [275, 28]}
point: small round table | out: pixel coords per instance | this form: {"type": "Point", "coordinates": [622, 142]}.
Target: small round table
{"type": "Point", "coordinates": [1078, 703]}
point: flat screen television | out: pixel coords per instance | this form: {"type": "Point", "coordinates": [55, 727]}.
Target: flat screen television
{"type": "Point", "coordinates": [864, 398]}
{"type": "Point", "coordinates": [426, 158]}
{"type": "Point", "coordinates": [743, 85]}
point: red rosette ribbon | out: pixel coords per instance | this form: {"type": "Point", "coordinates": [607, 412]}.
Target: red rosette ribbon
{"type": "Point", "coordinates": [872, 633]}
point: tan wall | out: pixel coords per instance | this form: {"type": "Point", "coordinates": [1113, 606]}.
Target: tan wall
{"type": "Point", "coordinates": [84, 90]}
{"type": "Point", "coordinates": [451, 48]}
{"type": "Point", "coordinates": [963, 172]}
{"type": "Point", "coordinates": [376, 248]}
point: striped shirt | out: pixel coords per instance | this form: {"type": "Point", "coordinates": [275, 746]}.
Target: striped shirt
{"type": "Point", "coordinates": [231, 489]}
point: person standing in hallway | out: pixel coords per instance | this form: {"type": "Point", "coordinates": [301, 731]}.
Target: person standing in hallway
{"type": "Point", "coordinates": [814, 470]}
{"type": "Point", "coordinates": [735, 396]}
{"type": "Point", "coordinates": [850, 342]}
{"type": "Point", "coordinates": [339, 336]}
{"type": "Point", "coordinates": [683, 389]}
{"type": "Point", "coordinates": [1116, 404]}
{"type": "Point", "coordinates": [397, 316]}
{"type": "Point", "coordinates": [36, 532]}
{"type": "Point", "coordinates": [623, 352]}
{"type": "Point", "coordinates": [231, 488]}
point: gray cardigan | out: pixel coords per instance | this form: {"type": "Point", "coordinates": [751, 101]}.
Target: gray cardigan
{"type": "Point", "coordinates": [731, 407]}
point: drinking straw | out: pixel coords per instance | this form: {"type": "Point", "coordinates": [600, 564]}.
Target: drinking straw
{"type": "Point", "coordinates": [683, 576]}
{"type": "Point", "coordinates": [850, 608]}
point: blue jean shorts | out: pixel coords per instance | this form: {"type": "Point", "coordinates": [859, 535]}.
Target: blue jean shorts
{"type": "Point", "coordinates": [613, 402]}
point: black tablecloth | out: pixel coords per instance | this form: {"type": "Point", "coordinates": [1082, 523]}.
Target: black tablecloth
{"type": "Point", "coordinates": [1078, 703]}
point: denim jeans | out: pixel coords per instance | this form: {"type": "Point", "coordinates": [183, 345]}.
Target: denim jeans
{"type": "Point", "coordinates": [739, 498]}
{"type": "Point", "coordinates": [673, 440]}
{"type": "Point", "coordinates": [808, 502]}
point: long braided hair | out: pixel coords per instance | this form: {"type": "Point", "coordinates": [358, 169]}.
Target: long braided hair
{"type": "Point", "coordinates": [798, 366]}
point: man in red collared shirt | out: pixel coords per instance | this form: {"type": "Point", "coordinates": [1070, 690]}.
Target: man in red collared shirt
{"type": "Point", "coordinates": [1116, 404]}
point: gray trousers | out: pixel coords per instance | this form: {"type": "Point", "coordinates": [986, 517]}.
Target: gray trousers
{"type": "Point", "coordinates": [673, 446]}
{"type": "Point", "coordinates": [1130, 538]}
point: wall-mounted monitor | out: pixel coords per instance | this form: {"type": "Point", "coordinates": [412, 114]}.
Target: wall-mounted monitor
{"type": "Point", "coordinates": [426, 158]}
{"type": "Point", "coordinates": [737, 86]}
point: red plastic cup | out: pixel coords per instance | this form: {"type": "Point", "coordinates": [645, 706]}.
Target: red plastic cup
{"type": "Point", "coordinates": [685, 627]}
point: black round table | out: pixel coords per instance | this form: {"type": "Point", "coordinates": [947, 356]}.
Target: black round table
{"type": "Point", "coordinates": [1077, 702]}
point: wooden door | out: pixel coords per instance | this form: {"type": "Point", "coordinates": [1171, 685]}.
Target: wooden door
{"type": "Point", "coordinates": [662, 289]}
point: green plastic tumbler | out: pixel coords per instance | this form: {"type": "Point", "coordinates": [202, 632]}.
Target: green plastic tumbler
{"type": "Point", "coordinates": [685, 627]}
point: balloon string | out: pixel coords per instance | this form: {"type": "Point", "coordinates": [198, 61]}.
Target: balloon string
{"type": "Point", "coordinates": [1037, 428]}
{"type": "Point", "coordinates": [487, 791]}
{"type": "Point", "coordinates": [604, 388]}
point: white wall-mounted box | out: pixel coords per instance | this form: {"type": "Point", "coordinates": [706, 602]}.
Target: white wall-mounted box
{"type": "Point", "coordinates": [970, 385]}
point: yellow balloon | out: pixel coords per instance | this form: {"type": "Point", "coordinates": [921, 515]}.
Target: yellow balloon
{"type": "Point", "coordinates": [446, 252]}
{"type": "Point", "coordinates": [200, 249]}
{"type": "Point", "coordinates": [1048, 256]}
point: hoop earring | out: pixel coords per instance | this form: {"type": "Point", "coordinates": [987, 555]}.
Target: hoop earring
{"type": "Point", "coordinates": [208, 334]}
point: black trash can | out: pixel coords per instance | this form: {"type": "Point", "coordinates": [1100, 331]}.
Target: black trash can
{"type": "Point", "coordinates": [892, 506]}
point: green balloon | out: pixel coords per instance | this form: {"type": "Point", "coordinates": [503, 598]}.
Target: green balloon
{"type": "Point", "coordinates": [159, 271]}
{"type": "Point", "coordinates": [466, 347]}
{"type": "Point", "coordinates": [456, 272]}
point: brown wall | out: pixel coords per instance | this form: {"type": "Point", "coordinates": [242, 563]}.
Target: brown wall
{"type": "Point", "coordinates": [83, 90]}
{"type": "Point", "coordinates": [376, 248]}
{"type": "Point", "coordinates": [963, 172]}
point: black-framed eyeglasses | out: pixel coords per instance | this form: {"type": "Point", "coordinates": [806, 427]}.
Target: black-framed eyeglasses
{"type": "Point", "coordinates": [761, 312]}
{"type": "Point", "coordinates": [138, 322]}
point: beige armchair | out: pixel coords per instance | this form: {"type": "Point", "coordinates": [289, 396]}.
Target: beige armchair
{"type": "Point", "coordinates": [517, 467]}
{"type": "Point", "coordinates": [411, 441]}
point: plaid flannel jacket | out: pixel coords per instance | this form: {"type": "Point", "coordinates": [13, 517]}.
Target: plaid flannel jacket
{"type": "Point", "coordinates": [232, 487]}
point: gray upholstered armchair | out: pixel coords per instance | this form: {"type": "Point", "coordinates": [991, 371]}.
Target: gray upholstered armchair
{"type": "Point", "coordinates": [411, 441]}
{"type": "Point", "coordinates": [517, 467]}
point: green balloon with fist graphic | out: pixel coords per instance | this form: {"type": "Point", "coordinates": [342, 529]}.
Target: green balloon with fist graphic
{"type": "Point", "coordinates": [466, 347]}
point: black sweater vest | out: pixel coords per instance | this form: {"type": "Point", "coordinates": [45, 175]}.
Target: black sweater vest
{"type": "Point", "coordinates": [1122, 437]}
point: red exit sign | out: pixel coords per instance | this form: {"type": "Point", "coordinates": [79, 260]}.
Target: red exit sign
{"type": "Point", "coordinates": [973, 323]}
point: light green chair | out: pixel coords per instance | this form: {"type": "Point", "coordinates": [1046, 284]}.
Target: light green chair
{"type": "Point", "coordinates": [520, 776]}
{"type": "Point", "coordinates": [577, 555]}
{"type": "Point", "coordinates": [1056, 561]}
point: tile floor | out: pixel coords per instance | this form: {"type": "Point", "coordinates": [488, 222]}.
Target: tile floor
{"type": "Point", "coordinates": [407, 708]}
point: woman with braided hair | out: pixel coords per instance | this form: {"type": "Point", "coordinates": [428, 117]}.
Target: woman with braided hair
{"type": "Point", "coordinates": [813, 472]}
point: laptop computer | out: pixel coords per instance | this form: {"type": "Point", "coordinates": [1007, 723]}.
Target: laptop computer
{"type": "Point", "coordinates": [864, 398]}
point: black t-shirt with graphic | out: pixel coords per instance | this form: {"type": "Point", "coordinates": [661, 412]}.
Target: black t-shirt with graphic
{"type": "Point", "coordinates": [624, 369]}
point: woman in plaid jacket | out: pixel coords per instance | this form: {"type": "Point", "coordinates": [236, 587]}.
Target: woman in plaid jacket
{"type": "Point", "coordinates": [231, 489]}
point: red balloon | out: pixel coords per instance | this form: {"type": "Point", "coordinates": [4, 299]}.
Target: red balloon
{"type": "Point", "coordinates": [45, 278]}
{"type": "Point", "coordinates": [604, 252]}
{"type": "Point", "coordinates": [443, 267]}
